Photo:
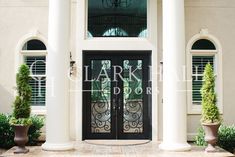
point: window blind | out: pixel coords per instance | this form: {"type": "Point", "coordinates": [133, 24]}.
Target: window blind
{"type": "Point", "coordinates": [36, 64]}
{"type": "Point", "coordinates": [198, 66]}
{"type": "Point", "coordinates": [38, 85]}
{"type": "Point", "coordinates": [38, 79]}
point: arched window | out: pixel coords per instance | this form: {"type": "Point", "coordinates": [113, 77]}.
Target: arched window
{"type": "Point", "coordinates": [115, 32]}
{"type": "Point", "coordinates": [34, 55]}
{"type": "Point", "coordinates": [143, 33]}
{"type": "Point", "coordinates": [200, 52]}
{"type": "Point", "coordinates": [200, 58]}
{"type": "Point", "coordinates": [203, 44]}
{"type": "Point", "coordinates": [34, 45]}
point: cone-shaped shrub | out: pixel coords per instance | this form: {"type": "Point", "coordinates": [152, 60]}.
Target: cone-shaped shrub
{"type": "Point", "coordinates": [210, 111]}
{"type": "Point", "coordinates": [21, 106]}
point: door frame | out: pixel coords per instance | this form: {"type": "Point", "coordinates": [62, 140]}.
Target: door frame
{"type": "Point", "coordinates": [80, 42]}
{"type": "Point", "coordinates": [100, 54]}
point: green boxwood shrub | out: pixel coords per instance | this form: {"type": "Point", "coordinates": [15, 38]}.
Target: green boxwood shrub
{"type": "Point", "coordinates": [7, 132]}
{"type": "Point", "coordinates": [210, 111]}
{"type": "Point", "coordinates": [21, 105]}
{"type": "Point", "coordinates": [226, 138]}
{"type": "Point", "coordinates": [199, 138]}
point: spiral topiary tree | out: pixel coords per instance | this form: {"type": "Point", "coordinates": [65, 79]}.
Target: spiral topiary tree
{"type": "Point", "coordinates": [21, 105]}
{"type": "Point", "coordinates": [210, 111]}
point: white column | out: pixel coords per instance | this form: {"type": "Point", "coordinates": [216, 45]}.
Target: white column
{"type": "Point", "coordinates": [57, 93]}
{"type": "Point", "coordinates": [174, 86]}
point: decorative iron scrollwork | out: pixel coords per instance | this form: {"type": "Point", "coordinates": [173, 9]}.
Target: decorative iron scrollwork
{"type": "Point", "coordinates": [101, 119]}
{"type": "Point", "coordinates": [133, 116]}
{"type": "Point", "coordinates": [100, 99]}
{"type": "Point", "coordinates": [116, 3]}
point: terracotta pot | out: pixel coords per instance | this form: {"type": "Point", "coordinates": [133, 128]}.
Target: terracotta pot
{"type": "Point", "coordinates": [21, 138]}
{"type": "Point", "coordinates": [211, 135]}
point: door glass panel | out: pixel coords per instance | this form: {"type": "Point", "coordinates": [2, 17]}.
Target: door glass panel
{"type": "Point", "coordinates": [132, 97]}
{"type": "Point", "coordinates": [100, 96]}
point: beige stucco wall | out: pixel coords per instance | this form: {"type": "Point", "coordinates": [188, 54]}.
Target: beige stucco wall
{"type": "Point", "coordinates": [19, 18]}
{"type": "Point", "coordinates": [16, 20]}
{"type": "Point", "coordinates": [218, 16]}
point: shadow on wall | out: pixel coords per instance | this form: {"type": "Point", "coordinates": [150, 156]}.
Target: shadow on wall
{"type": "Point", "coordinates": [6, 100]}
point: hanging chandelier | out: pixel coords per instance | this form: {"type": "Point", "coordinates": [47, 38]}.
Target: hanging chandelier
{"type": "Point", "coordinates": [116, 3]}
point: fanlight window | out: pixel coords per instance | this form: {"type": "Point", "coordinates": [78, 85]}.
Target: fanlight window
{"type": "Point", "coordinates": [34, 45]}
{"type": "Point", "coordinates": [203, 44]}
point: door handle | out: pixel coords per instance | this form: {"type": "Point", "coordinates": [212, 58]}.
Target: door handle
{"type": "Point", "coordinates": [114, 104]}
{"type": "Point", "coordinates": [119, 104]}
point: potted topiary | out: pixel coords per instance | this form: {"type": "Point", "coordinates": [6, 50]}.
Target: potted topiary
{"type": "Point", "coordinates": [211, 119]}
{"type": "Point", "coordinates": [21, 109]}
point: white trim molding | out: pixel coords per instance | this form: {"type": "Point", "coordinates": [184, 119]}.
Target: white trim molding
{"type": "Point", "coordinates": [204, 34]}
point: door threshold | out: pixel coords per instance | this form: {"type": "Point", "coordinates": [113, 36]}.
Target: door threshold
{"type": "Point", "coordinates": [117, 142]}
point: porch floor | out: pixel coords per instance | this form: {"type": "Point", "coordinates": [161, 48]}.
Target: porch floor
{"type": "Point", "coordinates": [144, 150]}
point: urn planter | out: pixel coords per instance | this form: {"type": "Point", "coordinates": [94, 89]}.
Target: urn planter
{"type": "Point", "coordinates": [211, 135]}
{"type": "Point", "coordinates": [21, 138]}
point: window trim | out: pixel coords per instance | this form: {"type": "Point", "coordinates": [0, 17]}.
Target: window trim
{"type": "Point", "coordinates": [19, 59]}
{"type": "Point", "coordinates": [193, 108]}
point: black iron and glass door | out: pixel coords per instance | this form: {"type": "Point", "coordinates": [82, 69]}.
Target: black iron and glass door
{"type": "Point", "coordinates": [116, 95]}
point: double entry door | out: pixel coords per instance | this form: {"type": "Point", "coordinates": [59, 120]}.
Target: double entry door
{"type": "Point", "coordinates": [116, 95]}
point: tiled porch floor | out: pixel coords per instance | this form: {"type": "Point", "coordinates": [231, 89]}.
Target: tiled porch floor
{"type": "Point", "coordinates": [144, 150]}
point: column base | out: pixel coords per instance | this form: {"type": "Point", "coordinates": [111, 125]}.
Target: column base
{"type": "Point", "coordinates": [178, 147]}
{"type": "Point", "coordinates": [58, 147]}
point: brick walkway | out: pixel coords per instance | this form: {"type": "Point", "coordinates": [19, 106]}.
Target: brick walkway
{"type": "Point", "coordinates": [144, 150]}
{"type": "Point", "coordinates": [2, 151]}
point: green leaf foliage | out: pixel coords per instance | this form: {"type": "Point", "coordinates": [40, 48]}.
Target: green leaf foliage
{"type": "Point", "coordinates": [7, 132]}
{"type": "Point", "coordinates": [199, 138]}
{"type": "Point", "coordinates": [226, 138]}
{"type": "Point", "coordinates": [20, 121]}
{"type": "Point", "coordinates": [34, 129]}
{"type": "Point", "coordinates": [210, 111]}
{"type": "Point", "coordinates": [21, 105]}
